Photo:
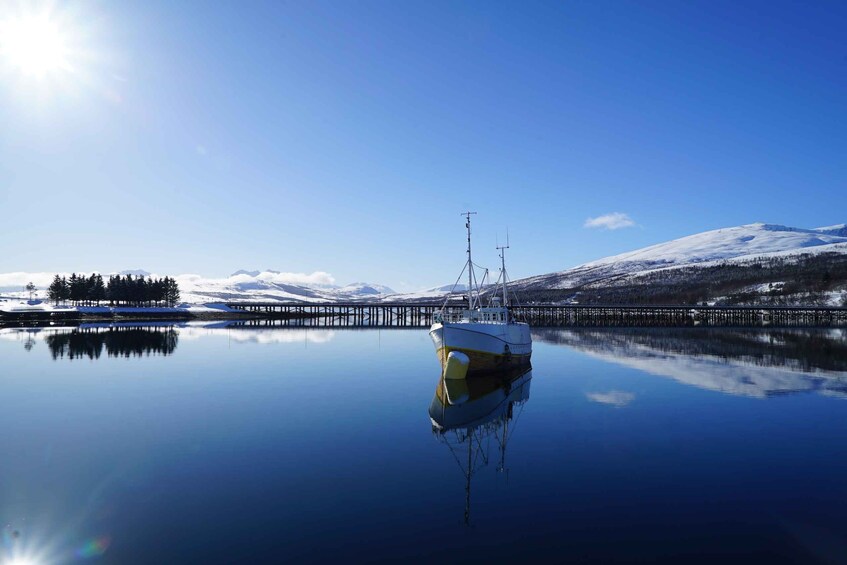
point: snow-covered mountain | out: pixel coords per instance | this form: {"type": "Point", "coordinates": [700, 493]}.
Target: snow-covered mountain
{"type": "Point", "coordinates": [366, 289]}
{"type": "Point", "coordinates": [270, 285]}
{"type": "Point", "coordinates": [728, 243]}
{"type": "Point", "coordinates": [742, 242]}
{"type": "Point", "coordinates": [135, 273]}
{"type": "Point", "coordinates": [434, 294]}
{"type": "Point", "coordinates": [712, 251]}
{"type": "Point", "coordinates": [250, 273]}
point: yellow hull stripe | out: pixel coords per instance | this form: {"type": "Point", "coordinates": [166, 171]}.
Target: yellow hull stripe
{"type": "Point", "coordinates": [483, 360]}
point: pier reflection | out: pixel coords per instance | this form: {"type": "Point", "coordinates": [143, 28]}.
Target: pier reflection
{"type": "Point", "coordinates": [747, 362]}
{"type": "Point", "coordinates": [466, 414]}
{"type": "Point", "coordinates": [119, 341]}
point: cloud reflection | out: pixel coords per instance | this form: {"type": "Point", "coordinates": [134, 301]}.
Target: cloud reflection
{"type": "Point", "coordinates": [616, 398]}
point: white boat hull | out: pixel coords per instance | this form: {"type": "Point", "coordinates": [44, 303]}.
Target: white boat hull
{"type": "Point", "coordinates": [490, 346]}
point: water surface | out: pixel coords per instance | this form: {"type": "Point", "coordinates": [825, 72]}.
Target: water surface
{"type": "Point", "coordinates": [195, 443]}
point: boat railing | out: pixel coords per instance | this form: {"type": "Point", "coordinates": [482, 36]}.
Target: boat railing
{"type": "Point", "coordinates": [481, 316]}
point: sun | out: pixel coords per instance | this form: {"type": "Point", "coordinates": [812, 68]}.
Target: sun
{"type": "Point", "coordinates": [35, 45]}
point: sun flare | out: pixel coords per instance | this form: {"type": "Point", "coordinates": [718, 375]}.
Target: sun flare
{"type": "Point", "coordinates": [34, 45]}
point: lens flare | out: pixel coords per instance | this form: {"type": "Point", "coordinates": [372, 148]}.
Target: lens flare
{"type": "Point", "coordinates": [94, 547]}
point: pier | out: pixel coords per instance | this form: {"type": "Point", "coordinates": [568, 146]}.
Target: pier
{"type": "Point", "coordinates": [421, 314]}
{"type": "Point", "coordinates": [336, 314]}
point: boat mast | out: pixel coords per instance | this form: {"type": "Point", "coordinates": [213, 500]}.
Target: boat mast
{"type": "Point", "coordinates": [468, 215]}
{"type": "Point", "coordinates": [502, 249]}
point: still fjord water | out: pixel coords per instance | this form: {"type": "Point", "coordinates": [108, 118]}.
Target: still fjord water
{"type": "Point", "coordinates": [235, 445]}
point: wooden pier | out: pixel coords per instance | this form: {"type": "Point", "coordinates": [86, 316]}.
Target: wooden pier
{"type": "Point", "coordinates": [588, 315]}
{"type": "Point", "coordinates": [337, 314]}
{"type": "Point", "coordinates": [421, 314]}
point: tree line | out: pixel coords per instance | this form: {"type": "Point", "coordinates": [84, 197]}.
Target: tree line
{"type": "Point", "coordinates": [81, 290]}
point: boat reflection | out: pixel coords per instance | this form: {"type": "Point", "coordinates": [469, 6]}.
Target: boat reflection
{"type": "Point", "coordinates": [467, 413]}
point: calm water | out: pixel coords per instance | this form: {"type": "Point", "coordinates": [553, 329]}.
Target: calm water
{"type": "Point", "coordinates": [231, 445]}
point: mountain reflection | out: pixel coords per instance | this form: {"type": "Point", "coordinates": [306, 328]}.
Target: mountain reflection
{"type": "Point", "coordinates": [758, 363]}
{"type": "Point", "coordinates": [466, 413]}
{"type": "Point", "coordinates": [115, 341]}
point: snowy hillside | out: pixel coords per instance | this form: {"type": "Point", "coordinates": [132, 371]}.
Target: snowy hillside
{"type": "Point", "coordinates": [712, 250]}
{"type": "Point", "coordinates": [740, 242]}
{"type": "Point", "coordinates": [728, 243]}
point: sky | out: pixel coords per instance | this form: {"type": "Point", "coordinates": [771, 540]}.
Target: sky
{"type": "Point", "coordinates": [347, 137]}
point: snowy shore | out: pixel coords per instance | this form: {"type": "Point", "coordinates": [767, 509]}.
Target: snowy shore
{"type": "Point", "coordinates": [16, 309]}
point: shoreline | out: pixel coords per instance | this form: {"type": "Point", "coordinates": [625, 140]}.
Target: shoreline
{"type": "Point", "coordinates": [12, 318]}
{"type": "Point", "coordinates": [419, 315]}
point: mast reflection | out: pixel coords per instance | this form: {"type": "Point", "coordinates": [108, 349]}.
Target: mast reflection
{"type": "Point", "coordinates": [467, 413]}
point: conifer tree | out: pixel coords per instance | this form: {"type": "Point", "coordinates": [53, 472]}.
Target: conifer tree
{"type": "Point", "coordinates": [96, 289]}
{"type": "Point", "coordinates": [141, 290]}
{"type": "Point", "coordinates": [54, 291]}
{"type": "Point", "coordinates": [157, 291]}
{"type": "Point", "coordinates": [79, 288]}
{"type": "Point", "coordinates": [73, 284]}
{"type": "Point", "coordinates": [171, 291]}
{"type": "Point", "coordinates": [111, 290]}
{"type": "Point", "coordinates": [66, 290]}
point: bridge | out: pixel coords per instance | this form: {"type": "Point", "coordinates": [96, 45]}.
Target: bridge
{"type": "Point", "coordinates": [407, 314]}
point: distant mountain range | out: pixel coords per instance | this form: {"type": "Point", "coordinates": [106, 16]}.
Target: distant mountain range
{"type": "Point", "coordinates": [270, 285]}
{"type": "Point", "coordinates": [754, 263]}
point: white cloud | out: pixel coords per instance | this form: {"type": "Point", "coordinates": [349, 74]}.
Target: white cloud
{"type": "Point", "coordinates": [613, 221]}
{"type": "Point", "coordinates": [614, 397]}
{"type": "Point", "coordinates": [318, 278]}
{"type": "Point", "coordinates": [261, 336]}
{"type": "Point", "coordinates": [188, 279]}
{"type": "Point", "coordinates": [17, 281]}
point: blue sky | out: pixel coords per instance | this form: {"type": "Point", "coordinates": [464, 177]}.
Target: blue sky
{"type": "Point", "coordinates": [204, 137]}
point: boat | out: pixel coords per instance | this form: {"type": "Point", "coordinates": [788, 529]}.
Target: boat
{"type": "Point", "coordinates": [465, 414]}
{"type": "Point", "coordinates": [488, 335]}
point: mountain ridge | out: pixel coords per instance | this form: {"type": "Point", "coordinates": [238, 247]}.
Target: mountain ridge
{"type": "Point", "coordinates": [756, 262]}
{"type": "Point", "coordinates": [751, 254]}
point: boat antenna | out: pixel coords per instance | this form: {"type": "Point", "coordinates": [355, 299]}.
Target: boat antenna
{"type": "Point", "coordinates": [467, 216]}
